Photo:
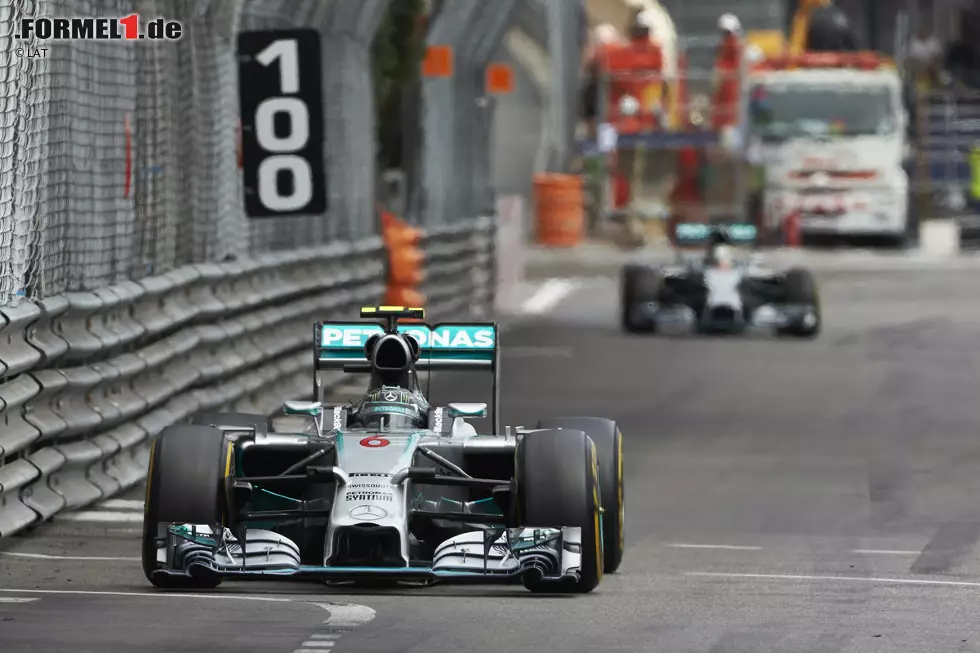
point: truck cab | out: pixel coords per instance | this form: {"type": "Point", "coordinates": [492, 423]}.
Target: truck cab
{"type": "Point", "coordinates": [829, 131]}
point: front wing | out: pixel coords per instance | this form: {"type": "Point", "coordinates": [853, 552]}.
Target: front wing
{"type": "Point", "coordinates": [545, 555]}
{"type": "Point", "coordinates": [768, 316]}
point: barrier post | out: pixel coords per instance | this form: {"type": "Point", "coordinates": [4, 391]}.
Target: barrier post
{"type": "Point", "coordinates": [559, 207]}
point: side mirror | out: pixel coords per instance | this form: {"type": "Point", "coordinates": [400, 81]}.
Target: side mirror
{"type": "Point", "coordinates": [312, 408]}
{"type": "Point", "coordinates": [467, 410]}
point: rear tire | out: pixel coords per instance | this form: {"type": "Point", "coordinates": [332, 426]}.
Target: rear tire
{"type": "Point", "coordinates": [558, 486]}
{"type": "Point", "coordinates": [800, 288]}
{"type": "Point", "coordinates": [609, 447]}
{"type": "Point", "coordinates": [185, 485]}
{"type": "Point", "coordinates": [639, 284]}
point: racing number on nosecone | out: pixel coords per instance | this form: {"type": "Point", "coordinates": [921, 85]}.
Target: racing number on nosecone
{"type": "Point", "coordinates": [374, 443]}
{"type": "Point", "coordinates": [281, 104]}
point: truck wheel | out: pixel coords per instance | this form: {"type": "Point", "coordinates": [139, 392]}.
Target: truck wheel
{"type": "Point", "coordinates": [609, 447]}
{"type": "Point", "coordinates": [557, 476]}
{"type": "Point", "coordinates": [801, 288]}
{"type": "Point", "coordinates": [184, 485]}
{"type": "Point", "coordinates": [244, 420]}
{"type": "Point", "coordinates": [639, 284]}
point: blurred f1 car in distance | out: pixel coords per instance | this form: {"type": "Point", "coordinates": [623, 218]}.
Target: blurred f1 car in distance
{"type": "Point", "coordinates": [723, 291]}
{"type": "Point", "coordinates": [391, 488]}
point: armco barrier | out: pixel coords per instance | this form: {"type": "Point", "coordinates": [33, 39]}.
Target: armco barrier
{"type": "Point", "coordinates": [460, 262]}
{"type": "Point", "coordinates": [87, 379]}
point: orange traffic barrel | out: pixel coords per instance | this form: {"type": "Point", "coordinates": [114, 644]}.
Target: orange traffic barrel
{"type": "Point", "coordinates": [559, 210]}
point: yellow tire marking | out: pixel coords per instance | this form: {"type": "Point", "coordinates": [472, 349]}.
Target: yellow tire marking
{"type": "Point", "coordinates": [149, 480]}
{"type": "Point", "coordinates": [228, 459]}
{"type": "Point", "coordinates": [619, 488]}
{"type": "Point", "coordinates": [595, 501]}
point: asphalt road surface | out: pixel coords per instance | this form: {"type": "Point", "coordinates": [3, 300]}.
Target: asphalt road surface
{"type": "Point", "coordinates": [782, 497]}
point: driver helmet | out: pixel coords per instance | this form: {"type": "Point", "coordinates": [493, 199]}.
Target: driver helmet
{"type": "Point", "coordinates": [391, 408]}
{"type": "Point", "coordinates": [723, 255]}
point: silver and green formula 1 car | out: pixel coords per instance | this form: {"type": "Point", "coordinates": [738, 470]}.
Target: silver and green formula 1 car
{"type": "Point", "coordinates": [391, 487]}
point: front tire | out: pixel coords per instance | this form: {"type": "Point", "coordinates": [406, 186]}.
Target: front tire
{"type": "Point", "coordinates": [184, 485]}
{"type": "Point", "coordinates": [557, 476]}
{"type": "Point", "coordinates": [800, 288]}
{"type": "Point", "coordinates": [609, 447]}
{"type": "Point", "coordinates": [639, 284]}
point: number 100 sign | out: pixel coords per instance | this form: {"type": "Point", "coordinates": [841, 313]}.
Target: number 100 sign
{"type": "Point", "coordinates": [281, 104]}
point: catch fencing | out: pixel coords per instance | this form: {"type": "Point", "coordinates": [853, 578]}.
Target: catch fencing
{"type": "Point", "coordinates": [946, 170]}
{"type": "Point", "coordinates": [134, 291]}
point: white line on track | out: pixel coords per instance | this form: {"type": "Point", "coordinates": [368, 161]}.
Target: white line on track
{"type": "Point", "coordinates": [548, 296]}
{"type": "Point", "coordinates": [886, 552]}
{"type": "Point", "coordinates": [156, 595]}
{"type": "Point", "coordinates": [725, 547]}
{"type": "Point", "coordinates": [101, 516]}
{"type": "Point", "coordinates": [45, 556]}
{"type": "Point", "coordinates": [15, 599]}
{"type": "Point", "coordinates": [854, 579]}
{"type": "Point", "coordinates": [122, 504]}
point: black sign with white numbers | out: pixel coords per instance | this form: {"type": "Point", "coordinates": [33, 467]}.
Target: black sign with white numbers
{"type": "Point", "coordinates": [281, 104]}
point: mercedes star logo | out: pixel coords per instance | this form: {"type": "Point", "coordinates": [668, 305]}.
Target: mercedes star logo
{"type": "Point", "coordinates": [368, 513]}
{"type": "Point", "coordinates": [390, 395]}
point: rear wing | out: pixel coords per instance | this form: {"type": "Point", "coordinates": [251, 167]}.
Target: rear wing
{"type": "Point", "coordinates": [443, 346]}
{"type": "Point", "coordinates": [455, 346]}
{"type": "Point", "coordinates": [688, 234]}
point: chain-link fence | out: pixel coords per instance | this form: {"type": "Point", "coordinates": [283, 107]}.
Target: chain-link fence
{"type": "Point", "coordinates": [120, 159]}
{"type": "Point", "coordinates": [946, 168]}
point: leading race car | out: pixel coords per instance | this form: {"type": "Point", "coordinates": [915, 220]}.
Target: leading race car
{"type": "Point", "coordinates": [723, 291]}
{"type": "Point", "coordinates": [390, 487]}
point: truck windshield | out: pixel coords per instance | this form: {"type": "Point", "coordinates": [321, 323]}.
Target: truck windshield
{"type": "Point", "coordinates": [780, 111]}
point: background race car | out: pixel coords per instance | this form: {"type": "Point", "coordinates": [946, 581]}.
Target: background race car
{"type": "Point", "coordinates": [726, 290]}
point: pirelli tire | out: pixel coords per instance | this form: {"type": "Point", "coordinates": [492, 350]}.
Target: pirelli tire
{"type": "Point", "coordinates": [638, 284]}
{"type": "Point", "coordinates": [608, 439]}
{"type": "Point", "coordinates": [233, 420]}
{"type": "Point", "coordinates": [557, 473]}
{"type": "Point", "coordinates": [184, 485]}
{"type": "Point", "coordinates": [800, 288]}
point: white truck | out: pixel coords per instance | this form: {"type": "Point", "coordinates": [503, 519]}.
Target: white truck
{"type": "Point", "coordinates": [832, 142]}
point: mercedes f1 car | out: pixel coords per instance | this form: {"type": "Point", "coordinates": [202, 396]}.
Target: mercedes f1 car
{"type": "Point", "coordinates": [389, 488]}
{"type": "Point", "coordinates": [725, 291]}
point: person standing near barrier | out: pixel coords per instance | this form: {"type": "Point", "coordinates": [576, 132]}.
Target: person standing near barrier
{"type": "Point", "coordinates": [636, 97]}
{"type": "Point", "coordinates": [728, 69]}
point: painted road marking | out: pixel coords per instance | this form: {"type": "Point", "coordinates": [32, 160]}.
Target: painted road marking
{"type": "Point", "coordinates": [102, 516]}
{"type": "Point", "coordinates": [725, 547]}
{"type": "Point", "coordinates": [548, 296]}
{"type": "Point", "coordinates": [123, 504]}
{"type": "Point", "coordinates": [15, 599]}
{"type": "Point", "coordinates": [343, 617]}
{"type": "Point", "coordinates": [347, 615]}
{"type": "Point", "coordinates": [855, 579]}
{"type": "Point", "coordinates": [157, 595]}
{"type": "Point", "coordinates": [45, 556]}
{"type": "Point", "coordinates": [886, 552]}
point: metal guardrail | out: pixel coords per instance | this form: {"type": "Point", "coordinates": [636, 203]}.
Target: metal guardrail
{"type": "Point", "coordinates": [88, 379]}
